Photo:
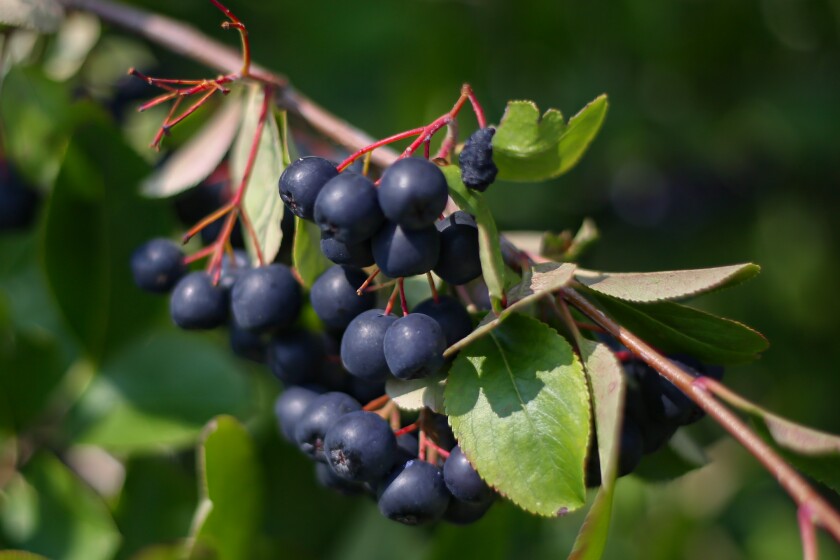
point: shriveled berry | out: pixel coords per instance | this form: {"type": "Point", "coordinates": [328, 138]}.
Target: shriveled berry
{"type": "Point", "coordinates": [476, 160]}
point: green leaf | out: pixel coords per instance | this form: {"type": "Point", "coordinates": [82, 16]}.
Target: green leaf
{"type": "Point", "coordinates": [307, 257]}
{"type": "Point", "coordinates": [529, 148]}
{"type": "Point", "coordinates": [158, 393]}
{"type": "Point", "coordinates": [668, 285]}
{"type": "Point", "coordinates": [672, 327]}
{"type": "Point", "coordinates": [228, 518]}
{"type": "Point", "coordinates": [416, 394]}
{"type": "Point", "coordinates": [490, 251]}
{"type": "Point", "coordinates": [522, 417]}
{"type": "Point", "coordinates": [40, 15]}
{"type": "Point", "coordinates": [200, 155]}
{"type": "Point", "coordinates": [540, 281]}
{"type": "Point", "coordinates": [94, 221]}
{"type": "Point", "coordinates": [72, 45]}
{"type": "Point", "coordinates": [51, 512]}
{"type": "Point", "coordinates": [261, 202]}
{"type": "Point", "coordinates": [20, 555]}
{"type": "Point", "coordinates": [815, 452]}
{"type": "Point", "coordinates": [606, 378]}
{"type": "Point", "coordinates": [563, 247]}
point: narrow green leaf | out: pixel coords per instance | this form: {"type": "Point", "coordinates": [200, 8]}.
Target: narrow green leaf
{"type": "Point", "coordinates": [540, 281]}
{"type": "Point", "coordinates": [667, 285]}
{"type": "Point", "coordinates": [490, 251]}
{"type": "Point", "coordinates": [227, 520]}
{"type": "Point", "coordinates": [50, 511]}
{"type": "Point", "coordinates": [522, 417]}
{"type": "Point", "coordinates": [606, 379]}
{"type": "Point", "coordinates": [159, 393]}
{"type": "Point", "coordinates": [416, 394]}
{"type": "Point", "coordinates": [40, 15]}
{"type": "Point", "coordinates": [201, 154]}
{"type": "Point", "coordinates": [262, 202]}
{"type": "Point", "coordinates": [529, 148]}
{"type": "Point", "coordinates": [94, 221]}
{"type": "Point", "coordinates": [307, 257]}
{"type": "Point", "coordinates": [672, 327]}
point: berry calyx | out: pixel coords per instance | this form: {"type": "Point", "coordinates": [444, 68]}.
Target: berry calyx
{"type": "Point", "coordinates": [360, 447]}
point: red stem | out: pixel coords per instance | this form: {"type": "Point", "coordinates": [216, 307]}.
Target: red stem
{"type": "Point", "coordinates": [377, 403]}
{"type": "Point", "coordinates": [407, 429]}
{"type": "Point", "coordinates": [243, 35]}
{"type": "Point", "coordinates": [432, 445]}
{"type": "Point", "coordinates": [367, 282]}
{"type": "Point", "coordinates": [378, 144]}
{"type": "Point", "coordinates": [403, 300]}
{"type": "Point", "coordinates": [390, 307]}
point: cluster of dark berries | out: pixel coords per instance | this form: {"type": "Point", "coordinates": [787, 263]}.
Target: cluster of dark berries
{"type": "Point", "coordinates": [18, 201]}
{"type": "Point", "coordinates": [654, 409]}
{"type": "Point", "coordinates": [357, 452]}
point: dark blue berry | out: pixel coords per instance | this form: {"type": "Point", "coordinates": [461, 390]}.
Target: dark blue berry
{"type": "Point", "coordinates": [247, 344]}
{"type": "Point", "coordinates": [413, 192]}
{"type": "Point", "coordinates": [464, 513]}
{"type": "Point", "coordinates": [452, 317]}
{"type": "Point", "coordinates": [406, 252]}
{"type": "Point", "coordinates": [265, 297]}
{"type": "Point", "coordinates": [317, 419]}
{"type": "Point", "coordinates": [196, 303]}
{"type": "Point", "coordinates": [631, 447]}
{"type": "Point", "coordinates": [301, 182]}
{"type": "Point", "coordinates": [289, 408]}
{"type": "Point", "coordinates": [362, 390]}
{"type": "Point", "coordinates": [348, 209]}
{"type": "Point", "coordinates": [414, 346]}
{"type": "Point", "coordinates": [407, 447]}
{"type": "Point", "coordinates": [414, 494]}
{"type": "Point", "coordinates": [462, 480]}
{"type": "Point", "coordinates": [295, 357]}
{"type": "Point", "coordinates": [358, 255]}
{"type": "Point", "coordinates": [157, 265]}
{"type": "Point", "coordinates": [18, 202]}
{"type": "Point", "coordinates": [476, 160]}
{"type": "Point", "coordinates": [459, 260]}
{"type": "Point", "coordinates": [362, 350]}
{"type": "Point", "coordinates": [327, 478]}
{"type": "Point", "coordinates": [232, 268]}
{"type": "Point", "coordinates": [334, 296]}
{"type": "Point", "coordinates": [360, 446]}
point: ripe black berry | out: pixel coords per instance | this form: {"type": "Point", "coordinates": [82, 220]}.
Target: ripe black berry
{"type": "Point", "coordinates": [295, 357]}
{"type": "Point", "coordinates": [327, 478]}
{"type": "Point", "coordinates": [452, 317]}
{"type": "Point", "coordinates": [157, 265]}
{"type": "Point", "coordinates": [318, 417]}
{"type": "Point", "coordinates": [462, 480]}
{"type": "Point", "coordinates": [289, 407]}
{"type": "Point", "coordinates": [348, 208]}
{"type": "Point", "coordinates": [414, 494]}
{"type": "Point", "coordinates": [358, 255]}
{"type": "Point", "coordinates": [247, 344]}
{"type": "Point", "coordinates": [464, 513]}
{"type": "Point", "coordinates": [360, 446]}
{"type": "Point", "coordinates": [301, 182]}
{"type": "Point", "coordinates": [413, 193]}
{"type": "Point", "coordinates": [232, 268]}
{"type": "Point", "coordinates": [265, 297]}
{"type": "Point", "coordinates": [414, 346]}
{"type": "Point", "coordinates": [334, 296]}
{"type": "Point", "coordinates": [459, 260]}
{"type": "Point", "coordinates": [197, 304]}
{"type": "Point", "coordinates": [406, 252]}
{"type": "Point", "coordinates": [476, 160]}
{"type": "Point", "coordinates": [362, 350]}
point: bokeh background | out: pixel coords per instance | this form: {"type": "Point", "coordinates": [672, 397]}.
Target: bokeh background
{"type": "Point", "coordinates": [719, 147]}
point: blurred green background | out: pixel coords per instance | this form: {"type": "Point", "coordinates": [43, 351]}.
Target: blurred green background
{"type": "Point", "coordinates": [719, 147]}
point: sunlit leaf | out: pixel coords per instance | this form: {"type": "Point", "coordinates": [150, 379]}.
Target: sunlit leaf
{"type": "Point", "coordinates": [528, 147]}
{"type": "Point", "coordinates": [522, 417]}
{"type": "Point", "coordinates": [416, 394]}
{"type": "Point", "coordinates": [307, 257]}
{"type": "Point", "coordinates": [667, 285]}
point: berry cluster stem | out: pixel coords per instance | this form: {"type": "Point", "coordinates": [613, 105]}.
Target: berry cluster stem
{"type": "Point", "coordinates": [817, 510]}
